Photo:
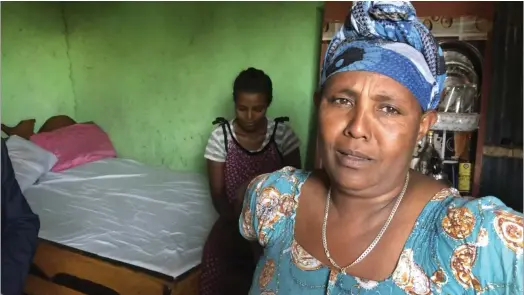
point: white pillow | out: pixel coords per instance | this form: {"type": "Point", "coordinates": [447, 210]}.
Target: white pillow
{"type": "Point", "coordinates": [29, 160]}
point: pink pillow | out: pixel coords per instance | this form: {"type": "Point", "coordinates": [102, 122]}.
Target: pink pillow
{"type": "Point", "coordinates": [76, 145]}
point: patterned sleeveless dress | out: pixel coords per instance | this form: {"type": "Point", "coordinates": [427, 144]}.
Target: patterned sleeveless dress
{"type": "Point", "coordinates": [228, 264]}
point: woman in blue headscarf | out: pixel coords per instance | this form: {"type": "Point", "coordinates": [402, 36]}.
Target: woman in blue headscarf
{"type": "Point", "coordinates": [366, 223]}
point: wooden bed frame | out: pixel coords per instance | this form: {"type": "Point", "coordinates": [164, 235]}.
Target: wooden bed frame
{"type": "Point", "coordinates": [62, 270]}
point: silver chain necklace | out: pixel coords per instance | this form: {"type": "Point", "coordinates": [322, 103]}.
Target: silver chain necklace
{"type": "Point", "coordinates": [375, 241]}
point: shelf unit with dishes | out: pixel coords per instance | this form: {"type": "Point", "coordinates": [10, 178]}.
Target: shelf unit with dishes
{"type": "Point", "coordinates": [463, 29]}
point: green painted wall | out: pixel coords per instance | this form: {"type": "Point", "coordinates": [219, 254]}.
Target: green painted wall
{"type": "Point", "coordinates": [155, 74]}
{"type": "Point", "coordinates": [35, 67]}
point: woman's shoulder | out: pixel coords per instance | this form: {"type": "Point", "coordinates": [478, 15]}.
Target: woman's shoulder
{"type": "Point", "coordinates": [479, 241]}
{"type": "Point", "coordinates": [217, 135]}
{"type": "Point", "coordinates": [270, 202]}
{"type": "Point", "coordinates": [286, 180]}
{"type": "Point", "coordinates": [220, 123]}
{"type": "Point", "coordinates": [462, 215]}
{"type": "Point", "coordinates": [216, 143]}
{"type": "Point", "coordinates": [469, 219]}
{"type": "Point", "coordinates": [283, 128]}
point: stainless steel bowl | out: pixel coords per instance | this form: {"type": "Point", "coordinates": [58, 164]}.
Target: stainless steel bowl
{"type": "Point", "coordinates": [462, 85]}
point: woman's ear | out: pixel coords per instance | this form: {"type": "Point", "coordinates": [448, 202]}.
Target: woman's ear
{"type": "Point", "coordinates": [429, 118]}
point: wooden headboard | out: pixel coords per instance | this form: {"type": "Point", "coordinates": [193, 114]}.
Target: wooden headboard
{"type": "Point", "coordinates": [25, 128]}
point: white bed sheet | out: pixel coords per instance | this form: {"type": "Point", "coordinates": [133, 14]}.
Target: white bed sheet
{"type": "Point", "coordinates": [127, 211]}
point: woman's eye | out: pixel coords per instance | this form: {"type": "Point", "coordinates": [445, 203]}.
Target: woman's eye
{"type": "Point", "coordinates": [390, 110]}
{"type": "Point", "coordinates": [342, 101]}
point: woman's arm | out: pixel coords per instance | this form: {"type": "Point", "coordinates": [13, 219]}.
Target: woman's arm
{"type": "Point", "coordinates": [238, 205]}
{"type": "Point", "coordinates": [258, 222]}
{"type": "Point", "coordinates": [480, 244]}
{"type": "Point", "coordinates": [217, 187]}
{"type": "Point", "coordinates": [216, 154]}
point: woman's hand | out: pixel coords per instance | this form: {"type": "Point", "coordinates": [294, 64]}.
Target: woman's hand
{"type": "Point", "coordinates": [239, 200]}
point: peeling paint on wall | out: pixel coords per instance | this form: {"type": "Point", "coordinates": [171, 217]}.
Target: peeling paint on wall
{"type": "Point", "coordinates": [35, 67]}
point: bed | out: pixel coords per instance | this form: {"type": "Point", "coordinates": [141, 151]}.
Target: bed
{"type": "Point", "coordinates": [117, 226]}
{"type": "Point", "coordinates": [148, 220]}
{"type": "Point", "coordinates": [120, 209]}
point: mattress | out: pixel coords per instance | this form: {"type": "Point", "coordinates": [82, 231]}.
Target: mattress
{"type": "Point", "coordinates": [121, 209]}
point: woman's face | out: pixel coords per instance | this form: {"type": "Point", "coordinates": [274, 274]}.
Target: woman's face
{"type": "Point", "coordinates": [250, 110]}
{"type": "Point", "coordinates": [369, 125]}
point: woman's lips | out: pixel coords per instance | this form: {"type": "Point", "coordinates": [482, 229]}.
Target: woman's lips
{"type": "Point", "coordinates": [352, 159]}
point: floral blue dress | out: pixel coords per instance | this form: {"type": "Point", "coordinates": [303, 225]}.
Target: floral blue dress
{"type": "Point", "coordinates": [458, 246]}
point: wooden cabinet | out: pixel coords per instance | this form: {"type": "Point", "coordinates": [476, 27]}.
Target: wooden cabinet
{"type": "Point", "coordinates": [334, 16]}
{"type": "Point", "coordinates": [336, 11]}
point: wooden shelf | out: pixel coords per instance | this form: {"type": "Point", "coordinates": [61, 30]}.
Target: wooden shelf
{"type": "Point", "coordinates": [336, 11]}
{"type": "Point", "coordinates": [461, 28]}
{"type": "Point", "coordinates": [502, 152]}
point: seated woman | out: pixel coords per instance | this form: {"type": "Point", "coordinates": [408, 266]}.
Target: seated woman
{"type": "Point", "coordinates": [366, 223]}
{"type": "Point", "coordinates": [237, 151]}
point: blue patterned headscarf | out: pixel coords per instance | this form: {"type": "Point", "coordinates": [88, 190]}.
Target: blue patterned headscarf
{"type": "Point", "coordinates": [386, 37]}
